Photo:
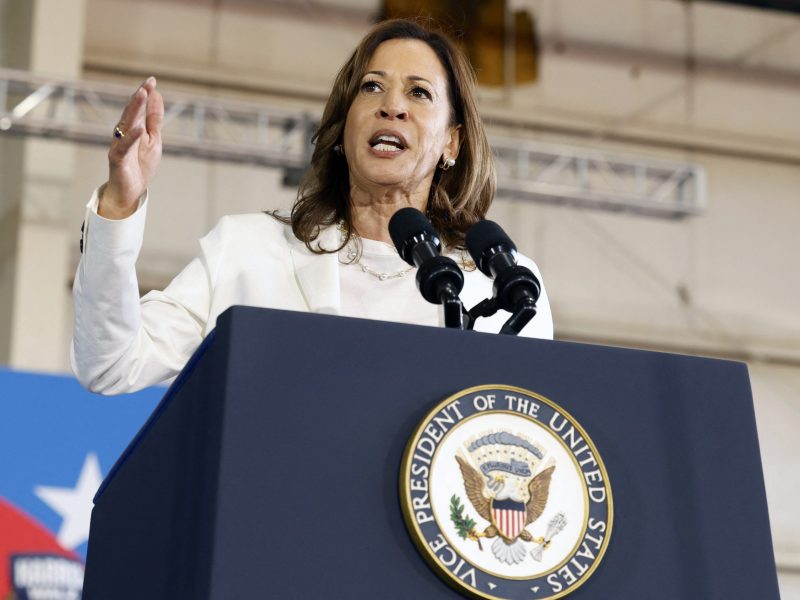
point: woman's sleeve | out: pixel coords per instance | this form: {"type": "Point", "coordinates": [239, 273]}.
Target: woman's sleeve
{"type": "Point", "coordinates": [122, 343]}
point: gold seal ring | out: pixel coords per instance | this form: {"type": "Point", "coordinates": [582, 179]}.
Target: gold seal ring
{"type": "Point", "coordinates": [118, 133]}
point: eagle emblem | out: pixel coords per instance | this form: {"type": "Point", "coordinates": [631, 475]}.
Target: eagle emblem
{"type": "Point", "coordinates": [506, 495]}
{"type": "Point", "coordinates": [507, 481]}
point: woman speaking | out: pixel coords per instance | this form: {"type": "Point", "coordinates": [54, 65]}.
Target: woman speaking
{"type": "Point", "coordinates": [400, 128]}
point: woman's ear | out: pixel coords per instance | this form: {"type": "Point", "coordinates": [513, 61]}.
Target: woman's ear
{"type": "Point", "coordinates": [454, 143]}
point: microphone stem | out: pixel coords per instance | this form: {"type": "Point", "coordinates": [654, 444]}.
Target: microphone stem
{"type": "Point", "coordinates": [525, 311]}
{"type": "Point", "coordinates": [452, 307]}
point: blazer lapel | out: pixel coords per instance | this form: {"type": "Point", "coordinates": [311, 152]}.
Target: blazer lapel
{"type": "Point", "coordinates": [317, 274]}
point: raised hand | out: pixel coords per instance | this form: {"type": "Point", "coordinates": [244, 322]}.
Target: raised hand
{"type": "Point", "coordinates": [135, 152]}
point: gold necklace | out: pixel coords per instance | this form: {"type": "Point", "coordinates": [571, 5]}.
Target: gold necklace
{"type": "Point", "coordinates": [354, 258]}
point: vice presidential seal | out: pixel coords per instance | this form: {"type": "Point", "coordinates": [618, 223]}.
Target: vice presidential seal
{"type": "Point", "coordinates": [506, 495]}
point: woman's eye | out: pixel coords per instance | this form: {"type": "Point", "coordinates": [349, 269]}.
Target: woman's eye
{"type": "Point", "coordinates": [370, 86]}
{"type": "Point", "coordinates": [420, 92]}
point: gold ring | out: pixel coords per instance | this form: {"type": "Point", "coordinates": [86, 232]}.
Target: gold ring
{"type": "Point", "coordinates": [118, 133]}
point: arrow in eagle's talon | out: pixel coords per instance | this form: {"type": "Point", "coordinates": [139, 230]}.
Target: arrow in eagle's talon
{"type": "Point", "coordinates": [474, 535]}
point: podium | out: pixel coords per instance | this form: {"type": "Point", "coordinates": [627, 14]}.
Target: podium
{"type": "Point", "coordinates": [270, 468]}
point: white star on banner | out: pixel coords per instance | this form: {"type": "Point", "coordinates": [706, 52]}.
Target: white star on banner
{"type": "Point", "coordinates": [74, 504]}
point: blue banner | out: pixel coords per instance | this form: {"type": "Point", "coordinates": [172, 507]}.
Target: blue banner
{"type": "Point", "coordinates": [57, 442]}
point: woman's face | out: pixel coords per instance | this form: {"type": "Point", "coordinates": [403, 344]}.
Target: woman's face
{"type": "Point", "coordinates": [398, 126]}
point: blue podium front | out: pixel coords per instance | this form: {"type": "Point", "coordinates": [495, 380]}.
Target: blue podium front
{"type": "Point", "coordinates": [271, 468]}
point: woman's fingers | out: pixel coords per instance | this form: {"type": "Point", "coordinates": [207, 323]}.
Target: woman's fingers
{"type": "Point", "coordinates": [145, 102]}
{"type": "Point", "coordinates": [131, 114]}
{"type": "Point", "coordinates": [149, 84]}
{"type": "Point", "coordinates": [140, 101]}
{"type": "Point", "coordinates": [155, 112]}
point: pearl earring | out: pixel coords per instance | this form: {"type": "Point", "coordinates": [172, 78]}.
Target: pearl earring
{"type": "Point", "coordinates": [447, 163]}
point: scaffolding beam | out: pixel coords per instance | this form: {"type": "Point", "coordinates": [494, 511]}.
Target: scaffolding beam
{"type": "Point", "coordinates": [593, 178]}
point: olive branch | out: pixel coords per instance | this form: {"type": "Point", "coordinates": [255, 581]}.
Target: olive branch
{"type": "Point", "coordinates": [465, 526]}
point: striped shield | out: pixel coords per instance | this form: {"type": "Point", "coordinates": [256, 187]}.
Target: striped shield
{"type": "Point", "coordinates": [509, 518]}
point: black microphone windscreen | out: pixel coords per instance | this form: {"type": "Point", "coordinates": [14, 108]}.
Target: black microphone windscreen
{"type": "Point", "coordinates": [408, 222]}
{"type": "Point", "coordinates": [484, 235]}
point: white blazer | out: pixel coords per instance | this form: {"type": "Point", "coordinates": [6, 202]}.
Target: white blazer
{"type": "Point", "coordinates": [122, 343]}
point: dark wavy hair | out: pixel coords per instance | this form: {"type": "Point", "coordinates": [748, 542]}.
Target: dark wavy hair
{"type": "Point", "coordinates": [459, 196]}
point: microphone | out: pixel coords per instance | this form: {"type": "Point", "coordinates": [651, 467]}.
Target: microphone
{"type": "Point", "coordinates": [516, 288]}
{"type": "Point", "coordinates": [439, 279]}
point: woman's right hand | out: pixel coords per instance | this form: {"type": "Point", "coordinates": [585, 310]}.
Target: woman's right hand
{"type": "Point", "coordinates": [134, 157]}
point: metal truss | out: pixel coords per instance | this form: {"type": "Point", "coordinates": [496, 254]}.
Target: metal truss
{"type": "Point", "coordinates": [594, 178]}
{"type": "Point", "coordinates": [242, 132]}
{"type": "Point", "coordinates": [210, 128]}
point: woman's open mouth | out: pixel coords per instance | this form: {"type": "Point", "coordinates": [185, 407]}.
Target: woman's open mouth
{"type": "Point", "coordinates": [384, 142]}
